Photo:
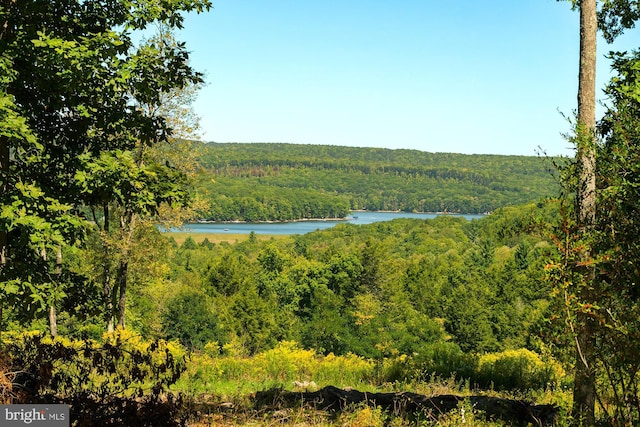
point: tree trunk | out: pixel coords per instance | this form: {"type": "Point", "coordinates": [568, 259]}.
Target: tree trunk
{"type": "Point", "coordinates": [107, 288]}
{"type": "Point", "coordinates": [53, 321]}
{"type": "Point", "coordinates": [127, 227]}
{"type": "Point", "coordinates": [123, 271]}
{"type": "Point", "coordinates": [584, 392]}
{"type": "Point", "coordinates": [110, 324]}
{"type": "Point", "coordinates": [53, 317]}
{"type": "Point", "coordinates": [53, 325]}
{"type": "Point", "coordinates": [4, 172]}
{"type": "Point", "coordinates": [587, 113]}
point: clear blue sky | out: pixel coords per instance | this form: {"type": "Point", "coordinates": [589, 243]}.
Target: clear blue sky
{"type": "Point", "coordinates": [467, 76]}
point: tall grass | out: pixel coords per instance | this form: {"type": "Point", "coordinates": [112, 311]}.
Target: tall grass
{"type": "Point", "coordinates": [215, 376]}
{"type": "Point", "coordinates": [278, 367]}
{"type": "Point", "coordinates": [229, 373]}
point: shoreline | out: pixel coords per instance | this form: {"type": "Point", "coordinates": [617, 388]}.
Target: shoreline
{"type": "Point", "coordinates": [348, 218]}
{"type": "Point", "coordinates": [267, 221]}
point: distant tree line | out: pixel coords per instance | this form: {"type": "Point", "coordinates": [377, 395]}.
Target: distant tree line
{"type": "Point", "coordinates": [288, 181]}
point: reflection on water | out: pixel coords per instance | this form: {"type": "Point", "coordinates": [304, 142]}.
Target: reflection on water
{"type": "Point", "coordinates": [302, 227]}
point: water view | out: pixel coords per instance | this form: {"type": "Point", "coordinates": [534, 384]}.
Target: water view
{"type": "Point", "coordinates": [302, 227]}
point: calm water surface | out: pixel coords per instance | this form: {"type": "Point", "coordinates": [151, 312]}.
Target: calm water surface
{"type": "Point", "coordinates": [302, 227]}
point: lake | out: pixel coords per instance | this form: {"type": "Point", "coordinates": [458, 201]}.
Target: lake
{"type": "Point", "coordinates": [303, 227]}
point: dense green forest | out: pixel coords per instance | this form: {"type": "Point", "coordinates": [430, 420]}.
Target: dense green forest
{"type": "Point", "coordinates": [384, 289]}
{"type": "Point", "coordinates": [375, 290]}
{"type": "Point", "coordinates": [288, 181]}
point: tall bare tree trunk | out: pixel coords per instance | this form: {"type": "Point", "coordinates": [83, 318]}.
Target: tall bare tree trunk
{"type": "Point", "coordinates": [53, 321]}
{"type": "Point", "coordinates": [53, 324]}
{"type": "Point", "coordinates": [53, 316]}
{"type": "Point", "coordinates": [4, 172]}
{"type": "Point", "coordinates": [584, 392]}
{"type": "Point", "coordinates": [127, 226]}
{"type": "Point", "coordinates": [107, 287]}
{"type": "Point", "coordinates": [123, 271]}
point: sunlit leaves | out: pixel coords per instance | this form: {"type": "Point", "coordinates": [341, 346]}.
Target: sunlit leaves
{"type": "Point", "coordinates": [615, 16]}
{"type": "Point", "coordinates": [117, 177]}
{"type": "Point", "coordinates": [121, 363]}
{"type": "Point", "coordinates": [44, 222]}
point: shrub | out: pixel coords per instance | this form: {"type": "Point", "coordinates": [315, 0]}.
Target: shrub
{"type": "Point", "coordinates": [511, 369]}
{"type": "Point", "coordinates": [120, 380]}
{"type": "Point", "coordinates": [282, 365]}
{"type": "Point", "coordinates": [444, 359]}
{"type": "Point", "coordinates": [364, 416]}
{"type": "Point", "coordinates": [399, 368]}
{"type": "Point", "coordinates": [344, 370]}
{"type": "Point", "coordinates": [516, 369]}
{"type": "Point", "coordinates": [287, 362]}
{"type": "Point", "coordinates": [121, 364]}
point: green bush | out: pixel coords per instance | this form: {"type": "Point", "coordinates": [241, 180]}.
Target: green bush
{"type": "Point", "coordinates": [190, 319]}
{"type": "Point", "coordinates": [345, 370]}
{"type": "Point", "coordinates": [399, 368]}
{"type": "Point", "coordinates": [444, 359]}
{"type": "Point", "coordinates": [508, 370]}
{"type": "Point", "coordinates": [287, 362]}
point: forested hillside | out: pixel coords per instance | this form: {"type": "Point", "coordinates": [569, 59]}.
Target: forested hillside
{"type": "Point", "coordinates": [378, 290]}
{"type": "Point", "coordinates": [262, 181]}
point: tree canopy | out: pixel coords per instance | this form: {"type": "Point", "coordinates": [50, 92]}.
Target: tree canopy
{"type": "Point", "coordinates": [74, 98]}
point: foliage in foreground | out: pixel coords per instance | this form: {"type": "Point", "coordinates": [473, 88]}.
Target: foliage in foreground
{"type": "Point", "coordinates": [289, 366]}
{"type": "Point", "coordinates": [595, 274]}
{"type": "Point", "coordinates": [119, 380]}
{"type": "Point", "coordinates": [228, 381]}
{"type": "Point", "coordinates": [123, 380]}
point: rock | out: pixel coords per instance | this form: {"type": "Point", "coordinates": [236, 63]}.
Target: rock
{"type": "Point", "coordinates": [514, 412]}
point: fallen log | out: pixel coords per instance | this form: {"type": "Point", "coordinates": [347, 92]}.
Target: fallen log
{"type": "Point", "coordinates": [514, 412]}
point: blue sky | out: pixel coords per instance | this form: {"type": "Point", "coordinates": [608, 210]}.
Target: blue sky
{"type": "Point", "coordinates": [468, 76]}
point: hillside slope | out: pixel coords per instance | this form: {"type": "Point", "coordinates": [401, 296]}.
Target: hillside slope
{"type": "Point", "coordinates": [275, 181]}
